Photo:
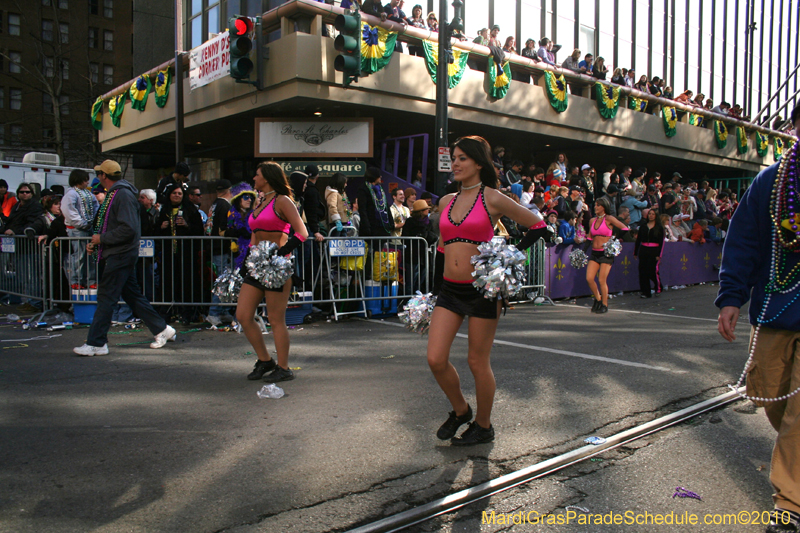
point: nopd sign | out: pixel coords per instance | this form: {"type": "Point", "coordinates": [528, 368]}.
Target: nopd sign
{"type": "Point", "coordinates": [351, 169]}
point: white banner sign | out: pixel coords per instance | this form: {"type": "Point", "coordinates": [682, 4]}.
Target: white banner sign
{"type": "Point", "coordinates": [303, 138]}
{"type": "Point", "coordinates": [444, 160]}
{"type": "Point", "coordinates": [210, 61]}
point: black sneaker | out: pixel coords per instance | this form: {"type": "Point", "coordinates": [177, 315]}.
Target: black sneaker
{"type": "Point", "coordinates": [261, 368]}
{"type": "Point", "coordinates": [595, 306]}
{"type": "Point", "coordinates": [474, 434]}
{"type": "Point", "coordinates": [279, 374]}
{"type": "Point", "coordinates": [783, 521]}
{"type": "Point", "coordinates": [602, 309]}
{"type": "Point", "coordinates": [453, 422]}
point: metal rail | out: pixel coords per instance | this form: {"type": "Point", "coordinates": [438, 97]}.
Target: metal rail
{"type": "Point", "coordinates": [466, 497]}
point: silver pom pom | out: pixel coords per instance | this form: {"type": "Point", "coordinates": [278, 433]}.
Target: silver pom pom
{"type": "Point", "coordinates": [228, 285]}
{"type": "Point", "coordinates": [416, 315]}
{"type": "Point", "coordinates": [578, 259]}
{"type": "Point", "coordinates": [612, 247]}
{"type": "Point", "coordinates": [267, 267]}
{"type": "Point", "coordinates": [499, 270]}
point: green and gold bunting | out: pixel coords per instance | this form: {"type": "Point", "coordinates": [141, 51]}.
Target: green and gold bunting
{"type": "Point", "coordinates": [139, 91]}
{"type": "Point", "coordinates": [556, 90]}
{"type": "Point", "coordinates": [97, 113]}
{"type": "Point", "coordinates": [607, 100]}
{"type": "Point", "coordinates": [498, 84]}
{"type": "Point", "coordinates": [777, 148]}
{"type": "Point", "coordinates": [721, 134]}
{"type": "Point", "coordinates": [670, 115]}
{"type": "Point", "coordinates": [638, 104]}
{"type": "Point", "coordinates": [116, 106]}
{"type": "Point", "coordinates": [161, 85]}
{"type": "Point", "coordinates": [762, 144]}
{"type": "Point", "coordinates": [455, 70]}
{"type": "Point", "coordinates": [377, 47]}
{"type": "Point", "coordinates": [741, 139]}
{"type": "Point", "coordinates": [697, 120]}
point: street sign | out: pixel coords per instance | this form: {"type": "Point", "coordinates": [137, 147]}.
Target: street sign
{"type": "Point", "coordinates": [7, 245]}
{"type": "Point", "coordinates": [347, 247]}
{"type": "Point", "coordinates": [444, 159]}
{"type": "Point", "coordinates": [210, 61]}
{"type": "Point", "coordinates": [351, 169]}
{"type": "Point", "coordinates": [147, 248]}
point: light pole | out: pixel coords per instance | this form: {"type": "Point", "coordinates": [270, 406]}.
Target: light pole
{"type": "Point", "coordinates": [446, 31]}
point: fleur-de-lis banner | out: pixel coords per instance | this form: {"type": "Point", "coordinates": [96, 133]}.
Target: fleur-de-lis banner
{"type": "Point", "coordinates": [139, 91]}
{"type": "Point", "coordinates": [116, 106]}
{"type": "Point", "coordinates": [607, 100]}
{"type": "Point", "coordinates": [455, 70]}
{"type": "Point", "coordinates": [670, 115]}
{"type": "Point", "coordinates": [721, 134]}
{"type": "Point", "coordinates": [499, 79]}
{"type": "Point", "coordinates": [762, 144]}
{"type": "Point", "coordinates": [161, 83]}
{"type": "Point", "coordinates": [97, 113]}
{"type": "Point", "coordinates": [377, 47]}
{"type": "Point", "coordinates": [556, 91]}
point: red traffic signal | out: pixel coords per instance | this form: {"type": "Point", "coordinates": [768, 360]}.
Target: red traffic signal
{"type": "Point", "coordinates": [241, 26]}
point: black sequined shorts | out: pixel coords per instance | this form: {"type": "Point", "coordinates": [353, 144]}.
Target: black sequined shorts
{"type": "Point", "coordinates": [464, 299]}
{"type": "Point", "coordinates": [253, 282]}
{"type": "Point", "coordinates": [599, 256]}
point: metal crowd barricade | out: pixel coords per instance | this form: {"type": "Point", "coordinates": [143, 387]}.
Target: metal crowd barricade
{"type": "Point", "coordinates": [172, 271]}
{"type": "Point", "coordinates": [22, 268]}
{"type": "Point", "coordinates": [534, 289]}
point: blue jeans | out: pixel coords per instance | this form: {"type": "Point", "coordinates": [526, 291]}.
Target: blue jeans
{"type": "Point", "coordinates": [118, 278]}
{"type": "Point", "coordinates": [78, 273]}
{"type": "Point", "coordinates": [221, 262]}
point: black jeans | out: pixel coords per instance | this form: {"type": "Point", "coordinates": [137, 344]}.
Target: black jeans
{"type": "Point", "coordinates": [648, 269]}
{"type": "Point", "coordinates": [118, 278]}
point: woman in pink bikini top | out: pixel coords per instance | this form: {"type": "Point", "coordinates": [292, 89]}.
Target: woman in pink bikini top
{"type": "Point", "coordinates": [599, 265]}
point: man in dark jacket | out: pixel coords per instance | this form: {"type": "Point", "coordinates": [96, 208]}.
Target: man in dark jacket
{"type": "Point", "coordinates": [373, 206]}
{"type": "Point", "coordinates": [26, 213]}
{"type": "Point", "coordinates": [116, 241]}
{"type": "Point", "coordinates": [180, 175]}
{"type": "Point", "coordinates": [312, 203]}
{"type": "Point", "coordinates": [757, 268]}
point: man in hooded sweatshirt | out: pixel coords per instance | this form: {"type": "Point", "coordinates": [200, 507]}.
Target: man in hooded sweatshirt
{"type": "Point", "coordinates": [116, 237]}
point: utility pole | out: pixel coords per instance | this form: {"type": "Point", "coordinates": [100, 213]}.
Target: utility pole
{"type": "Point", "coordinates": [446, 31]}
{"type": "Point", "coordinates": [178, 88]}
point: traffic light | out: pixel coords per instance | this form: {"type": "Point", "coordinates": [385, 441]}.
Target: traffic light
{"type": "Point", "coordinates": [241, 35]}
{"type": "Point", "coordinates": [349, 44]}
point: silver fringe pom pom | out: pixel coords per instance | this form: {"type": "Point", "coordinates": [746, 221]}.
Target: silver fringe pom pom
{"type": "Point", "coordinates": [266, 266]}
{"type": "Point", "coordinates": [228, 285]}
{"type": "Point", "coordinates": [612, 247]}
{"type": "Point", "coordinates": [578, 258]}
{"type": "Point", "coordinates": [416, 315]}
{"type": "Point", "coordinates": [499, 270]}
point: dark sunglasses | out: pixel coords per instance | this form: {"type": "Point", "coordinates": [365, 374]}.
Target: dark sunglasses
{"type": "Point", "coordinates": [25, 192]}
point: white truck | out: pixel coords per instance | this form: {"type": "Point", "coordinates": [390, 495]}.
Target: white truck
{"type": "Point", "coordinates": [39, 168]}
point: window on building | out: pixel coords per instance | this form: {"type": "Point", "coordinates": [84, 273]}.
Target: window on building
{"type": "Point", "coordinates": [2, 97]}
{"type": "Point", "coordinates": [47, 104]}
{"type": "Point", "coordinates": [108, 74]}
{"type": "Point", "coordinates": [64, 32]}
{"type": "Point", "coordinates": [15, 63]}
{"type": "Point", "coordinates": [94, 37]}
{"type": "Point", "coordinates": [94, 7]}
{"type": "Point", "coordinates": [47, 67]}
{"type": "Point", "coordinates": [203, 20]}
{"type": "Point", "coordinates": [16, 135]}
{"type": "Point", "coordinates": [63, 103]}
{"type": "Point", "coordinates": [108, 9]}
{"type": "Point", "coordinates": [63, 4]}
{"type": "Point", "coordinates": [94, 72]}
{"type": "Point", "coordinates": [47, 30]}
{"type": "Point", "coordinates": [15, 99]}
{"type": "Point", "coordinates": [48, 136]}
{"type": "Point", "coordinates": [108, 40]}
{"type": "Point", "coordinates": [64, 69]}
{"type": "Point", "coordinates": [13, 24]}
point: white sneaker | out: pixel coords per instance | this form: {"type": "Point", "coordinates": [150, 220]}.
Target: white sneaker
{"type": "Point", "coordinates": [91, 351]}
{"type": "Point", "coordinates": [162, 338]}
{"type": "Point", "coordinates": [213, 320]}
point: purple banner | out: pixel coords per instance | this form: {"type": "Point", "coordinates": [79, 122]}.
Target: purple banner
{"type": "Point", "coordinates": [682, 263]}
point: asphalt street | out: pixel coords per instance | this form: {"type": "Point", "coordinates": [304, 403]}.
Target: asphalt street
{"type": "Point", "coordinates": [176, 439]}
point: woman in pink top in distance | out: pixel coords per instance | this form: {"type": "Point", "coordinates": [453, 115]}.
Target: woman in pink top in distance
{"type": "Point", "coordinates": [271, 220]}
{"type": "Point", "coordinates": [599, 265]}
{"type": "Point", "coordinates": [467, 220]}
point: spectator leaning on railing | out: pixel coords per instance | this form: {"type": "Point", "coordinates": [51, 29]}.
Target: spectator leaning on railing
{"type": "Point", "coordinates": [79, 207]}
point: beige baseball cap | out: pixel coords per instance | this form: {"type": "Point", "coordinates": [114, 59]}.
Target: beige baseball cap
{"type": "Point", "coordinates": [109, 167]}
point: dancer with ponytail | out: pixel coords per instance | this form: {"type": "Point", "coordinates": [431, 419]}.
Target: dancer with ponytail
{"type": "Point", "coordinates": [467, 220]}
{"type": "Point", "coordinates": [272, 219]}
